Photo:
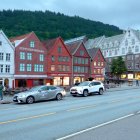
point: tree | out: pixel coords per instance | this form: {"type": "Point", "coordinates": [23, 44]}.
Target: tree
{"type": "Point", "coordinates": [118, 67]}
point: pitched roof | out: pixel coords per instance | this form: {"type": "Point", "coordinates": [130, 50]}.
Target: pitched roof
{"type": "Point", "coordinates": [92, 52]}
{"type": "Point", "coordinates": [17, 40]}
{"type": "Point", "coordinates": [73, 46]}
{"type": "Point", "coordinates": [49, 43]}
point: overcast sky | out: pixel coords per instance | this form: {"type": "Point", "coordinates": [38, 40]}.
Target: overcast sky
{"type": "Point", "coordinates": [121, 13]}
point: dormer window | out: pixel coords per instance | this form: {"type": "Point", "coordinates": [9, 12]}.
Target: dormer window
{"type": "Point", "coordinates": [32, 44]}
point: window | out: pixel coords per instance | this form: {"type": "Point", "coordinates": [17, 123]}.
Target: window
{"type": "Point", "coordinates": [79, 60]}
{"type": "Point", "coordinates": [86, 60]}
{"type": "Point", "coordinates": [129, 50]}
{"type": "Point", "coordinates": [102, 63]}
{"type": "Point", "coordinates": [137, 66]}
{"type": "Point", "coordinates": [52, 67]}
{"type": "Point", "coordinates": [41, 57]}
{"type": "Point", "coordinates": [123, 50]}
{"type": "Point", "coordinates": [59, 50]}
{"type": "Point", "coordinates": [1, 68]}
{"type": "Point", "coordinates": [81, 52]}
{"type": "Point", "coordinates": [0, 43]}
{"type": "Point", "coordinates": [22, 67]}
{"type": "Point", "coordinates": [32, 44]}
{"type": "Point", "coordinates": [7, 56]}
{"type": "Point", "coordinates": [110, 53]}
{"type": "Point", "coordinates": [98, 63]}
{"type": "Point", "coordinates": [53, 58]}
{"type": "Point", "coordinates": [41, 68]}
{"type": "Point", "coordinates": [29, 56]}
{"type": "Point", "coordinates": [29, 67]}
{"type": "Point", "coordinates": [94, 63]}
{"type": "Point", "coordinates": [75, 69]}
{"type": "Point", "coordinates": [137, 49]}
{"type": "Point", "coordinates": [22, 55]}
{"type": "Point", "coordinates": [116, 51]}
{"type": "Point", "coordinates": [126, 42]}
{"type": "Point", "coordinates": [99, 71]}
{"type": "Point", "coordinates": [1, 56]}
{"type": "Point", "coordinates": [7, 68]}
{"type": "Point", "coordinates": [75, 60]}
{"type": "Point", "coordinates": [133, 41]}
{"type": "Point", "coordinates": [36, 67]}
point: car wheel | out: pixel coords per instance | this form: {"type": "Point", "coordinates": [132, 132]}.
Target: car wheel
{"type": "Point", "coordinates": [85, 93]}
{"type": "Point", "coordinates": [101, 91]}
{"type": "Point", "coordinates": [74, 95]}
{"type": "Point", "coordinates": [30, 100]}
{"type": "Point", "coordinates": [59, 97]}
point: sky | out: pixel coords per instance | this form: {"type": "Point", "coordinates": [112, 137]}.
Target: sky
{"type": "Point", "coordinates": [121, 13]}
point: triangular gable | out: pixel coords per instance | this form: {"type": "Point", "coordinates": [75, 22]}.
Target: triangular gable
{"type": "Point", "coordinates": [6, 38]}
{"type": "Point", "coordinates": [20, 39]}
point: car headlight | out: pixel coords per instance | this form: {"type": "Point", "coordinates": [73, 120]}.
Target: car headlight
{"type": "Point", "coordinates": [22, 96]}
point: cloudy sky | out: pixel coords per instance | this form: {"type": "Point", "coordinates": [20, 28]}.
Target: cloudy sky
{"type": "Point", "coordinates": [121, 13]}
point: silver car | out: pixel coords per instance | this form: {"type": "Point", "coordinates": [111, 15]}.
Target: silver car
{"type": "Point", "coordinates": [40, 93]}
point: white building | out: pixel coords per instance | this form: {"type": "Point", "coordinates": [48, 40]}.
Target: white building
{"type": "Point", "coordinates": [6, 61]}
{"type": "Point", "coordinates": [126, 45]}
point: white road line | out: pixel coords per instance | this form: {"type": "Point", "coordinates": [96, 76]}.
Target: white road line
{"type": "Point", "coordinates": [100, 125]}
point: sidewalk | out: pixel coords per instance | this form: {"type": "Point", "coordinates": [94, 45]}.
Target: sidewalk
{"type": "Point", "coordinates": [9, 99]}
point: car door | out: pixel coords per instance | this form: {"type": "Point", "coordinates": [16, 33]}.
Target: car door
{"type": "Point", "coordinates": [51, 92]}
{"type": "Point", "coordinates": [91, 87]}
{"type": "Point", "coordinates": [42, 93]}
{"type": "Point", "coordinates": [97, 86]}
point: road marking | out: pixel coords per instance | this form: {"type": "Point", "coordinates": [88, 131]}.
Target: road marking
{"type": "Point", "coordinates": [12, 108]}
{"type": "Point", "coordinates": [27, 118]}
{"type": "Point", "coordinates": [91, 128]}
{"type": "Point", "coordinates": [82, 107]}
{"type": "Point", "coordinates": [115, 101]}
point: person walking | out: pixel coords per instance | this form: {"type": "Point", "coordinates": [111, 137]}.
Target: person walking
{"type": "Point", "coordinates": [1, 91]}
{"type": "Point", "coordinates": [137, 83]}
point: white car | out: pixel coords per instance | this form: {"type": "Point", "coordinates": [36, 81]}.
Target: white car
{"type": "Point", "coordinates": [87, 87]}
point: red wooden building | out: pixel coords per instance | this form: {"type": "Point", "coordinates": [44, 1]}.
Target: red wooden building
{"type": "Point", "coordinates": [30, 61]}
{"type": "Point", "coordinates": [59, 62]}
{"type": "Point", "coordinates": [80, 60]}
{"type": "Point", "coordinates": [97, 64]}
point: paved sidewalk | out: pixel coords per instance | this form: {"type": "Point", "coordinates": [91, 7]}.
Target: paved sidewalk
{"type": "Point", "coordinates": [9, 99]}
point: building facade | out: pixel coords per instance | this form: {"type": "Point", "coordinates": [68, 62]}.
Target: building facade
{"type": "Point", "coordinates": [7, 66]}
{"type": "Point", "coordinates": [80, 60]}
{"type": "Point", "coordinates": [97, 66]}
{"type": "Point", "coordinates": [30, 61]}
{"type": "Point", "coordinates": [59, 59]}
{"type": "Point", "coordinates": [126, 45]}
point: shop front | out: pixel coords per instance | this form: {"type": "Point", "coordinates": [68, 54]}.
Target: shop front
{"type": "Point", "coordinates": [79, 78]}
{"type": "Point", "coordinates": [61, 79]}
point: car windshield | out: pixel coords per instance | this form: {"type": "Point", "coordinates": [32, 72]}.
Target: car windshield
{"type": "Point", "coordinates": [86, 83]}
{"type": "Point", "coordinates": [36, 88]}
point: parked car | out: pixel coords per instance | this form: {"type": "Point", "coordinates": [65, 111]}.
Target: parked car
{"type": "Point", "coordinates": [87, 87]}
{"type": "Point", "coordinates": [39, 93]}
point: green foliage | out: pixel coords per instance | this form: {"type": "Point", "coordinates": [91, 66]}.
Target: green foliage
{"type": "Point", "coordinates": [50, 25]}
{"type": "Point", "coordinates": [118, 66]}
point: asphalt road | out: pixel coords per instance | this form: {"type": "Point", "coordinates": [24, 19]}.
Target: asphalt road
{"type": "Point", "coordinates": [57, 119]}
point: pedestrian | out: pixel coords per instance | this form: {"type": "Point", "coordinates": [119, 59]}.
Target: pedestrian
{"type": "Point", "coordinates": [1, 91]}
{"type": "Point", "coordinates": [137, 83]}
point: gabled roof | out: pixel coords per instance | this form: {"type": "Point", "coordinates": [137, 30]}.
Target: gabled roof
{"type": "Point", "coordinates": [93, 51]}
{"type": "Point", "coordinates": [17, 40]}
{"type": "Point", "coordinates": [1, 32]}
{"type": "Point", "coordinates": [49, 43]}
{"type": "Point", "coordinates": [72, 47]}
{"type": "Point", "coordinates": [81, 38]}
{"type": "Point", "coordinates": [90, 43]}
